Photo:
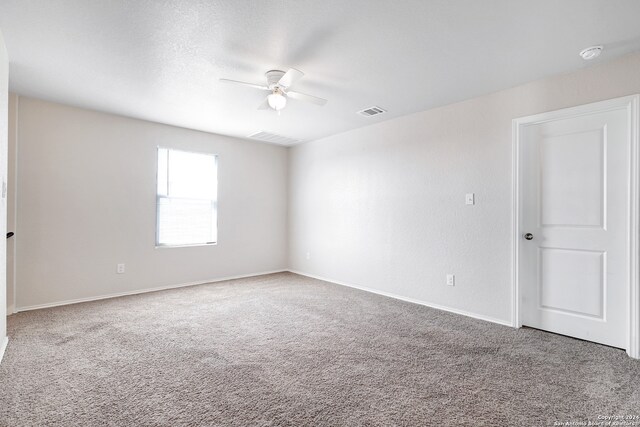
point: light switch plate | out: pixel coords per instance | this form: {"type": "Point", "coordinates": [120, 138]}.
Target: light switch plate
{"type": "Point", "coordinates": [451, 280]}
{"type": "Point", "coordinates": [470, 199]}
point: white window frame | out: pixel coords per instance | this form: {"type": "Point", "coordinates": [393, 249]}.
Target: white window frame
{"type": "Point", "coordinates": [159, 245]}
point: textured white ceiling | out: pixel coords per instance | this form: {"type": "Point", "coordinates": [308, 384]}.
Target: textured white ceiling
{"type": "Point", "coordinates": [160, 60]}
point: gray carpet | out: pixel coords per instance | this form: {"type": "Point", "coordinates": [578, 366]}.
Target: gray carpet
{"type": "Point", "coordinates": [284, 350]}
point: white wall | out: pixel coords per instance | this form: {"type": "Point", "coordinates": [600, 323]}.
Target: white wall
{"type": "Point", "coordinates": [382, 207]}
{"type": "Point", "coordinates": [86, 202]}
{"type": "Point", "coordinates": [4, 114]}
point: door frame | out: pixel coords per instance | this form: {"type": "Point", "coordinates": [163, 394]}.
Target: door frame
{"type": "Point", "coordinates": [631, 105]}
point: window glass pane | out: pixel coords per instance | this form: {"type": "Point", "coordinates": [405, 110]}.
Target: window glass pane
{"type": "Point", "coordinates": [186, 198]}
{"type": "Point", "coordinates": [186, 221]}
{"type": "Point", "coordinates": [192, 175]}
{"type": "Point", "coordinates": [163, 154]}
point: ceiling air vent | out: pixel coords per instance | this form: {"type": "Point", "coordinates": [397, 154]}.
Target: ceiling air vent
{"type": "Point", "coordinates": [372, 111]}
{"type": "Point", "coordinates": [274, 139]}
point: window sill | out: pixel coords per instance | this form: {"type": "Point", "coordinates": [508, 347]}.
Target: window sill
{"type": "Point", "coordinates": [186, 246]}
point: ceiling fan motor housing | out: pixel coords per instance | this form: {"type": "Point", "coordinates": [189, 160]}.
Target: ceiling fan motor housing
{"type": "Point", "coordinates": [273, 77]}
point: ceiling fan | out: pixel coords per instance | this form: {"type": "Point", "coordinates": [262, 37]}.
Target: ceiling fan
{"type": "Point", "coordinates": [278, 83]}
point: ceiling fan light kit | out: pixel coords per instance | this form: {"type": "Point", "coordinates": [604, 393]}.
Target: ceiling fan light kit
{"type": "Point", "coordinates": [277, 100]}
{"type": "Point", "coordinates": [278, 83]}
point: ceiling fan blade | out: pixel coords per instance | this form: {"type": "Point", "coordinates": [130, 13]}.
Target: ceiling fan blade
{"type": "Point", "coordinates": [290, 77]}
{"type": "Point", "coordinates": [244, 84]}
{"type": "Point", "coordinates": [307, 98]}
{"type": "Point", "coordinates": [264, 105]}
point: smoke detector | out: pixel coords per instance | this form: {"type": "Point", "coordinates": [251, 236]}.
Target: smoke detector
{"type": "Point", "coordinates": [591, 52]}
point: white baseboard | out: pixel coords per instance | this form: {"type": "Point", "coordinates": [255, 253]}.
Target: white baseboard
{"type": "Point", "coordinates": [412, 300]}
{"type": "Point", "coordinates": [10, 309]}
{"type": "Point", "coordinates": [3, 347]}
{"type": "Point", "coordinates": [141, 291]}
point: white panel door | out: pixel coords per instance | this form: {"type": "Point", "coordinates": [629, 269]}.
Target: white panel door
{"type": "Point", "coordinates": [574, 271]}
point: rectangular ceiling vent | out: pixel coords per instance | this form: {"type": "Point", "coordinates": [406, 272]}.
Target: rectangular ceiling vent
{"type": "Point", "coordinates": [372, 111]}
{"type": "Point", "coordinates": [274, 139]}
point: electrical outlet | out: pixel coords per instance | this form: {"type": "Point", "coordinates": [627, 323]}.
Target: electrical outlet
{"type": "Point", "coordinates": [120, 269]}
{"type": "Point", "coordinates": [451, 280]}
{"type": "Point", "coordinates": [308, 255]}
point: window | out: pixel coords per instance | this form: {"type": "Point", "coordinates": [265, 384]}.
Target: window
{"type": "Point", "coordinates": [187, 198]}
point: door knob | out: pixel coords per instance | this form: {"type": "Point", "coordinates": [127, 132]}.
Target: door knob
{"type": "Point", "coordinates": [528, 236]}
